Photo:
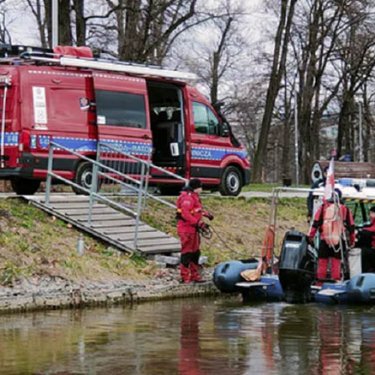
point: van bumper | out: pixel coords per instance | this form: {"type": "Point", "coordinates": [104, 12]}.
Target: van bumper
{"type": "Point", "coordinates": [8, 173]}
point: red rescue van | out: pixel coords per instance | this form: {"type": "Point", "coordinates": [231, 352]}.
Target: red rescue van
{"type": "Point", "coordinates": [73, 99]}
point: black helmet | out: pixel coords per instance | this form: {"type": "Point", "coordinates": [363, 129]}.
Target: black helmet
{"type": "Point", "coordinates": [195, 183]}
{"type": "Point", "coordinates": [336, 193]}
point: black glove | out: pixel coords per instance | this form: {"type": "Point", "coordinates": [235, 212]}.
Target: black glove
{"type": "Point", "coordinates": [202, 225]}
{"type": "Point", "coordinates": [209, 216]}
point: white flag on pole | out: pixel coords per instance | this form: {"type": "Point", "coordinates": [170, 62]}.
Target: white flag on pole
{"type": "Point", "coordinates": [330, 182]}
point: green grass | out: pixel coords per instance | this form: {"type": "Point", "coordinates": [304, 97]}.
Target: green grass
{"type": "Point", "coordinates": [240, 224]}
{"type": "Point", "coordinates": [33, 243]}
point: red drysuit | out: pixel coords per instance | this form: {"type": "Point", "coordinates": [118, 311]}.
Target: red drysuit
{"type": "Point", "coordinates": [189, 213]}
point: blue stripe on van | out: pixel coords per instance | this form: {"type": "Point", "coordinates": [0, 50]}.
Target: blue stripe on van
{"type": "Point", "coordinates": [10, 139]}
{"type": "Point", "coordinates": [137, 148]}
{"type": "Point", "coordinates": [205, 153]}
{"type": "Point", "coordinates": [84, 144]}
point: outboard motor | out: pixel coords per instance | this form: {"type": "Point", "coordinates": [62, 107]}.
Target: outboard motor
{"type": "Point", "coordinates": [297, 266]}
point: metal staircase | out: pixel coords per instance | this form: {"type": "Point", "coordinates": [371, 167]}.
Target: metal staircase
{"type": "Point", "coordinates": [107, 224]}
{"type": "Point", "coordinates": [111, 213]}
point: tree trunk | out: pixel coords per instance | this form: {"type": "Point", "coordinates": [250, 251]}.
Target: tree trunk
{"type": "Point", "coordinates": [216, 59]}
{"type": "Point", "coordinates": [65, 32]}
{"type": "Point", "coordinates": [79, 7]}
{"type": "Point", "coordinates": [278, 67]}
{"type": "Point", "coordinates": [129, 48]}
{"type": "Point", "coordinates": [344, 144]}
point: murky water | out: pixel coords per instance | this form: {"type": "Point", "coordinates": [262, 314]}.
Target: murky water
{"type": "Point", "coordinates": [192, 337]}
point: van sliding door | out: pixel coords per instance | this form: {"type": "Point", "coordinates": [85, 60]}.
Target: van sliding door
{"type": "Point", "coordinates": [122, 113]}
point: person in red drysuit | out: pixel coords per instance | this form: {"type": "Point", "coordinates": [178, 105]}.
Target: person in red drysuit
{"type": "Point", "coordinates": [366, 241]}
{"type": "Point", "coordinates": [327, 252]}
{"type": "Point", "coordinates": [369, 230]}
{"type": "Point", "coordinates": [189, 215]}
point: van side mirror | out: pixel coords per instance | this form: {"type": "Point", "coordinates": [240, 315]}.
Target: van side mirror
{"type": "Point", "coordinates": [224, 130]}
{"type": "Point", "coordinates": [174, 149]}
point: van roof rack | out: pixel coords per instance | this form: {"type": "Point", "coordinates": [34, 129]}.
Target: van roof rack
{"type": "Point", "coordinates": [107, 64]}
{"type": "Point", "coordinates": [9, 50]}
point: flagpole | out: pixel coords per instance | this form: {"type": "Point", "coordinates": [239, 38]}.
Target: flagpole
{"type": "Point", "coordinates": [55, 23]}
{"type": "Point", "coordinates": [296, 150]}
{"type": "Point", "coordinates": [330, 180]}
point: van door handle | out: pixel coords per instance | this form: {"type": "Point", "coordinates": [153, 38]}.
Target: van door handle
{"type": "Point", "coordinates": [145, 136]}
{"type": "Point", "coordinates": [198, 141]}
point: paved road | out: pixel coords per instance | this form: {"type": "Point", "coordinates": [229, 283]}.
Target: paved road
{"type": "Point", "coordinates": [284, 194]}
{"type": "Point", "coordinates": [246, 194]}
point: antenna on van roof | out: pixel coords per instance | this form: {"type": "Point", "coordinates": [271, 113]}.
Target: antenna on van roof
{"type": "Point", "coordinates": [109, 65]}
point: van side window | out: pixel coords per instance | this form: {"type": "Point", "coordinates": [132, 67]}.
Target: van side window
{"type": "Point", "coordinates": [204, 120]}
{"type": "Point", "coordinates": [120, 109]}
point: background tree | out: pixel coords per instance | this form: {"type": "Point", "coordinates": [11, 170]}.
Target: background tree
{"type": "Point", "coordinates": [278, 66]}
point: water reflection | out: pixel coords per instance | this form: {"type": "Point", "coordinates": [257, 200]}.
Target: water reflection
{"type": "Point", "coordinates": [191, 337]}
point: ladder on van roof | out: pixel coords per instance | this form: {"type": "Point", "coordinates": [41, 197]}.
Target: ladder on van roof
{"type": "Point", "coordinates": [112, 207]}
{"type": "Point", "coordinates": [108, 65]}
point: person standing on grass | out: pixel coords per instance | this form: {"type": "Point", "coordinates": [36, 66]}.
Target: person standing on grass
{"type": "Point", "coordinates": [190, 215]}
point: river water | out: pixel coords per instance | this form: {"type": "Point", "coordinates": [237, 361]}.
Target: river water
{"type": "Point", "coordinates": [192, 337]}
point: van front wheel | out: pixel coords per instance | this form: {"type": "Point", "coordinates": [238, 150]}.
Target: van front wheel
{"type": "Point", "coordinates": [231, 182]}
{"type": "Point", "coordinates": [25, 186]}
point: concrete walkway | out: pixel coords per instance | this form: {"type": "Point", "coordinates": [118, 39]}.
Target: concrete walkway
{"type": "Point", "coordinates": [263, 194]}
{"type": "Point", "coordinates": [246, 194]}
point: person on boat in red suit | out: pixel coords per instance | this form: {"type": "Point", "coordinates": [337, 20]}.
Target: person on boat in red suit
{"type": "Point", "coordinates": [332, 220]}
{"type": "Point", "coordinates": [190, 215]}
{"type": "Point", "coordinates": [366, 241]}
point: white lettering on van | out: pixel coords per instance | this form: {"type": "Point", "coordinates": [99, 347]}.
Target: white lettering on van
{"type": "Point", "coordinates": [40, 105]}
{"type": "Point", "coordinates": [202, 154]}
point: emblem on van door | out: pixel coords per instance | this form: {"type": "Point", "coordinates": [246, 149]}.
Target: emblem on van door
{"type": "Point", "coordinates": [84, 104]}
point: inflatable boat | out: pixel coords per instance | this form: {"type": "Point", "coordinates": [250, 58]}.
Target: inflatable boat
{"type": "Point", "coordinates": [294, 279]}
{"type": "Point", "coordinates": [294, 282]}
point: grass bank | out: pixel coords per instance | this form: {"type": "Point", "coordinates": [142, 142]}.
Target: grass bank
{"type": "Point", "coordinates": [239, 224]}
{"type": "Point", "coordinates": [34, 244]}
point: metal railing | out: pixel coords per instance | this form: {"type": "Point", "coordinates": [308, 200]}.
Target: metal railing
{"type": "Point", "coordinates": [118, 179]}
{"type": "Point", "coordinates": [127, 164]}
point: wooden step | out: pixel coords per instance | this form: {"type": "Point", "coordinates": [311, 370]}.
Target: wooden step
{"type": "Point", "coordinates": [113, 223]}
{"type": "Point", "coordinates": [101, 218]}
{"type": "Point", "coordinates": [151, 242]}
{"type": "Point", "coordinates": [129, 229]}
{"type": "Point", "coordinates": [159, 249]}
{"type": "Point", "coordinates": [80, 211]}
{"type": "Point", "coordinates": [76, 206]}
{"type": "Point", "coordinates": [141, 236]}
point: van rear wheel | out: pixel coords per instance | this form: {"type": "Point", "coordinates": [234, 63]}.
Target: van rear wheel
{"type": "Point", "coordinates": [25, 186]}
{"type": "Point", "coordinates": [83, 177]}
{"type": "Point", "coordinates": [231, 182]}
